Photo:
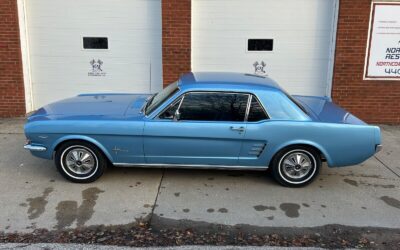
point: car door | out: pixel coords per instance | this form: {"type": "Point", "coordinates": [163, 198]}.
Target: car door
{"type": "Point", "coordinates": [199, 128]}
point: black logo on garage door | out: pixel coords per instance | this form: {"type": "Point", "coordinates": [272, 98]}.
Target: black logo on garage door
{"type": "Point", "coordinates": [259, 68]}
{"type": "Point", "coordinates": [97, 69]}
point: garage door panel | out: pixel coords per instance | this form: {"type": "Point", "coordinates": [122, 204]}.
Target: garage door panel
{"type": "Point", "coordinates": [98, 12]}
{"type": "Point", "coordinates": [44, 43]}
{"type": "Point", "coordinates": [60, 67]}
{"type": "Point", "coordinates": [127, 79]}
{"type": "Point", "coordinates": [115, 74]}
{"type": "Point", "coordinates": [291, 13]}
{"type": "Point", "coordinates": [280, 72]}
{"type": "Point", "coordinates": [295, 52]}
{"type": "Point", "coordinates": [302, 31]}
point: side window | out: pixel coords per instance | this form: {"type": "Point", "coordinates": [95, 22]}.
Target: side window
{"type": "Point", "coordinates": [170, 112]}
{"type": "Point", "coordinates": [256, 112]}
{"type": "Point", "coordinates": [214, 107]}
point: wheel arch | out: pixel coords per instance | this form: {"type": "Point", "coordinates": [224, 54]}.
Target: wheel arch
{"type": "Point", "coordinates": [86, 139]}
{"type": "Point", "coordinates": [322, 152]}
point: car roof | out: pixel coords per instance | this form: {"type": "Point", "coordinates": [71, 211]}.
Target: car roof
{"type": "Point", "coordinates": [227, 80]}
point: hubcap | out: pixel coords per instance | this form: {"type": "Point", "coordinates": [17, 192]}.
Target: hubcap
{"type": "Point", "coordinates": [296, 165]}
{"type": "Point", "coordinates": [80, 161]}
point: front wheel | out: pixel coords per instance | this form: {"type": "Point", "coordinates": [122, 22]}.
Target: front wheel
{"type": "Point", "coordinates": [80, 162]}
{"type": "Point", "coordinates": [296, 166]}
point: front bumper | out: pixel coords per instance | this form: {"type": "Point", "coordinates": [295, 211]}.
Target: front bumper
{"type": "Point", "coordinates": [35, 148]}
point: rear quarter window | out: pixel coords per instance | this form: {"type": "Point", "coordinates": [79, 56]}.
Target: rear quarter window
{"type": "Point", "coordinates": [280, 107]}
{"type": "Point", "coordinates": [256, 112]}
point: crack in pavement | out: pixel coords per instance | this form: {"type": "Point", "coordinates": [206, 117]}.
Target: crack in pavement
{"type": "Point", "coordinates": [156, 199]}
{"type": "Point", "coordinates": [391, 170]}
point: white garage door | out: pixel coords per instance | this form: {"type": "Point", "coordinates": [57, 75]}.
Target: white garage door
{"type": "Point", "coordinates": [121, 52]}
{"type": "Point", "coordinates": [294, 39]}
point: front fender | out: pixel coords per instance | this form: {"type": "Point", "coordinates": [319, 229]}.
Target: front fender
{"type": "Point", "coordinates": [83, 138]}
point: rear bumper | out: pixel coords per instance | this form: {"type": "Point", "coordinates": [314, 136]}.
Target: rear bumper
{"type": "Point", "coordinates": [378, 148]}
{"type": "Point", "coordinates": [35, 148]}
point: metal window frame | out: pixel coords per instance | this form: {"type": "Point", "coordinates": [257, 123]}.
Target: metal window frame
{"type": "Point", "coordinates": [262, 107]}
{"type": "Point", "coordinates": [250, 97]}
{"type": "Point", "coordinates": [204, 92]}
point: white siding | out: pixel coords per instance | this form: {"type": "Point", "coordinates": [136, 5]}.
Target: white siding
{"type": "Point", "coordinates": [302, 31]}
{"type": "Point", "coordinates": [60, 65]}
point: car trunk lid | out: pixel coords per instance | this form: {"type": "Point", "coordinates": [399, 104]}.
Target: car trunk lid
{"type": "Point", "coordinates": [322, 109]}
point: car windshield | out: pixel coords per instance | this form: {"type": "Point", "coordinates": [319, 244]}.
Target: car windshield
{"type": "Point", "coordinates": [157, 99]}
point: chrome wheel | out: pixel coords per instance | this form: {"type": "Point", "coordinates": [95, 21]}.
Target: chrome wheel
{"type": "Point", "coordinates": [79, 160]}
{"type": "Point", "coordinates": [296, 165]}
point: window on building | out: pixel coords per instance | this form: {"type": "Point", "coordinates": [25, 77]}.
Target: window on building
{"type": "Point", "coordinates": [256, 112]}
{"type": "Point", "coordinates": [214, 107]}
{"type": "Point", "coordinates": [260, 44]}
{"type": "Point", "coordinates": [95, 43]}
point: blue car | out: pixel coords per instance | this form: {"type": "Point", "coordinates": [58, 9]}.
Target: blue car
{"type": "Point", "coordinates": [204, 120]}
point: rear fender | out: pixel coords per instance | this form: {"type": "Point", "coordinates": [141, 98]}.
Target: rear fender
{"type": "Point", "coordinates": [304, 143]}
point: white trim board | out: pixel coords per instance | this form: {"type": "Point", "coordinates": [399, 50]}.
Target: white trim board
{"type": "Point", "coordinates": [23, 33]}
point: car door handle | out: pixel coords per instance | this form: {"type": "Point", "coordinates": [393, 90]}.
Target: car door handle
{"type": "Point", "coordinates": [240, 129]}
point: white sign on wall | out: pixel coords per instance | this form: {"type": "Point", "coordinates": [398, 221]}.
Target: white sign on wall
{"type": "Point", "coordinates": [383, 55]}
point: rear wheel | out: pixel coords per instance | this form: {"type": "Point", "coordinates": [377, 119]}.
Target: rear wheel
{"type": "Point", "coordinates": [296, 166]}
{"type": "Point", "coordinates": [80, 162]}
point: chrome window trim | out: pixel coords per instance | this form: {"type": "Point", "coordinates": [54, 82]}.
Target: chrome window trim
{"type": "Point", "coordinates": [180, 103]}
{"type": "Point", "coordinates": [178, 89]}
{"type": "Point", "coordinates": [249, 99]}
{"type": "Point", "coordinates": [202, 92]}
{"type": "Point", "coordinates": [263, 108]}
{"type": "Point", "coordinates": [157, 117]}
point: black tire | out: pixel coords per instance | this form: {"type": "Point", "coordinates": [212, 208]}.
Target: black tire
{"type": "Point", "coordinates": [280, 171]}
{"type": "Point", "coordinates": [70, 150]}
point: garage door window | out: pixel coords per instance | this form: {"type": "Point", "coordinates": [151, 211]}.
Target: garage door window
{"type": "Point", "coordinates": [95, 43]}
{"type": "Point", "coordinates": [260, 44]}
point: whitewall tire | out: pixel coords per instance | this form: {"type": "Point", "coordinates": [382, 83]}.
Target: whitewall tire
{"type": "Point", "coordinates": [296, 166]}
{"type": "Point", "coordinates": [80, 162]}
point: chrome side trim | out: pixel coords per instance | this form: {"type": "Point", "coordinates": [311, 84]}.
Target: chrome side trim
{"type": "Point", "coordinates": [35, 148]}
{"type": "Point", "coordinates": [378, 148]}
{"type": "Point", "coordinates": [189, 166]}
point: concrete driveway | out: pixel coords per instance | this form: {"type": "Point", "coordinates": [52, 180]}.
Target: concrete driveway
{"type": "Point", "coordinates": [34, 195]}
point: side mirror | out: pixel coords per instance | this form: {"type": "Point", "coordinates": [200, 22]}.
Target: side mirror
{"type": "Point", "coordinates": [177, 115]}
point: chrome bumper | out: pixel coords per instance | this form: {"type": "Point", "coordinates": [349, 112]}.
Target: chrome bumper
{"type": "Point", "coordinates": [35, 148]}
{"type": "Point", "coordinates": [378, 148]}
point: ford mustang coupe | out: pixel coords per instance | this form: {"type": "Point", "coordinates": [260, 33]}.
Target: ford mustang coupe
{"type": "Point", "coordinates": [204, 120]}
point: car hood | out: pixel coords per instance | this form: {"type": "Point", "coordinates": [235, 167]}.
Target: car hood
{"type": "Point", "coordinates": [322, 109]}
{"type": "Point", "coordinates": [87, 105]}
